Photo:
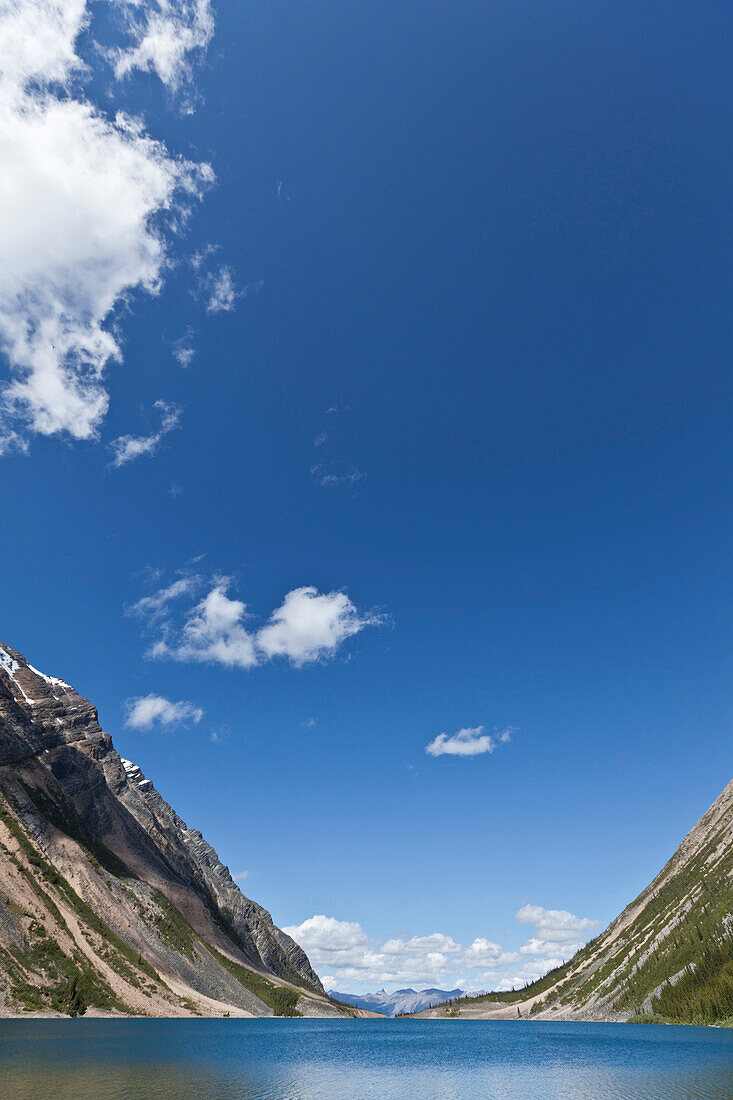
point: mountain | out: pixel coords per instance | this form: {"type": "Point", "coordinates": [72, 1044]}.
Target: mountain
{"type": "Point", "coordinates": [108, 900]}
{"type": "Point", "coordinates": [668, 955]}
{"type": "Point", "coordinates": [402, 1000]}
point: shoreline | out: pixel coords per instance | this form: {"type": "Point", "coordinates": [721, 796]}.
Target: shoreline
{"type": "Point", "coordinates": [110, 1016]}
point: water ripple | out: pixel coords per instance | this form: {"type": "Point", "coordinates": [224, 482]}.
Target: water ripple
{"type": "Point", "coordinates": [360, 1060]}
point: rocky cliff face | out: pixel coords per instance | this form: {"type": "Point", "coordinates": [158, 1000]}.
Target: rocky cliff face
{"type": "Point", "coordinates": [669, 954]}
{"type": "Point", "coordinates": [104, 888]}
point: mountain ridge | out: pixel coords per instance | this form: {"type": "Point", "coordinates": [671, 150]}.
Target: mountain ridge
{"type": "Point", "coordinates": [104, 885]}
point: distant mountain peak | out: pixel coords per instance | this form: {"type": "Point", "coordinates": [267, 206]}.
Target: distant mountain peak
{"type": "Point", "coordinates": [398, 1002]}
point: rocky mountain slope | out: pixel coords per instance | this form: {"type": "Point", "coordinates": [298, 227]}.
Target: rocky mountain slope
{"type": "Point", "coordinates": [668, 955]}
{"type": "Point", "coordinates": [108, 900]}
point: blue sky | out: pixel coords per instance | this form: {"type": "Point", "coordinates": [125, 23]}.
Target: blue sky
{"type": "Point", "coordinates": [445, 343]}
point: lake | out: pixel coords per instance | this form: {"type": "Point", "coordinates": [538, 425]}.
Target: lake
{"type": "Point", "coordinates": [274, 1059]}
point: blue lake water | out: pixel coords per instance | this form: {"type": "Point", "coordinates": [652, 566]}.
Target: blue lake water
{"type": "Point", "coordinates": [360, 1060]}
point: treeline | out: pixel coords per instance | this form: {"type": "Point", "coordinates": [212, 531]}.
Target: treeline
{"type": "Point", "coordinates": [704, 993]}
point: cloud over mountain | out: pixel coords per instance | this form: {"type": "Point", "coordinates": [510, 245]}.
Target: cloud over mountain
{"type": "Point", "coordinates": [346, 956]}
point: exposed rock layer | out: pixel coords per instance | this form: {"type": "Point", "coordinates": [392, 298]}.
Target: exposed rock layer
{"type": "Point", "coordinates": [90, 854]}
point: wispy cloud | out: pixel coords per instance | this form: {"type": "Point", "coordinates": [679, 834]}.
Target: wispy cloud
{"type": "Point", "coordinates": [308, 626]}
{"type": "Point", "coordinates": [221, 290]}
{"type": "Point", "coordinates": [217, 285]}
{"type": "Point", "coordinates": [470, 741]}
{"type": "Point", "coordinates": [129, 447]}
{"type": "Point", "coordinates": [332, 471]}
{"type": "Point", "coordinates": [156, 603]}
{"type": "Point", "coordinates": [88, 205]}
{"type": "Point", "coordinates": [349, 477]}
{"type": "Point", "coordinates": [183, 350]}
{"type": "Point", "coordinates": [219, 734]}
{"type": "Point", "coordinates": [147, 711]}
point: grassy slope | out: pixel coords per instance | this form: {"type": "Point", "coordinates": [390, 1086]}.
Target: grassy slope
{"type": "Point", "coordinates": [45, 966]}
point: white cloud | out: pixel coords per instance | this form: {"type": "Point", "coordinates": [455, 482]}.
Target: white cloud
{"type": "Point", "coordinates": [184, 355]}
{"type": "Point", "coordinates": [467, 742]}
{"type": "Point", "coordinates": [129, 447]}
{"type": "Point", "coordinates": [329, 937]}
{"type": "Point", "coordinates": [433, 946]}
{"type": "Point", "coordinates": [483, 952]}
{"type": "Point", "coordinates": [343, 949]}
{"type": "Point", "coordinates": [310, 625]}
{"type": "Point", "coordinates": [213, 632]}
{"type": "Point", "coordinates": [559, 933]}
{"type": "Point", "coordinates": [85, 198]}
{"type": "Point", "coordinates": [470, 741]}
{"type": "Point", "coordinates": [148, 710]}
{"type": "Point", "coordinates": [537, 946]}
{"type": "Point", "coordinates": [38, 38]}
{"type": "Point", "coordinates": [165, 34]}
{"type": "Point", "coordinates": [353, 960]}
{"type": "Point", "coordinates": [527, 972]}
{"type": "Point", "coordinates": [307, 627]}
